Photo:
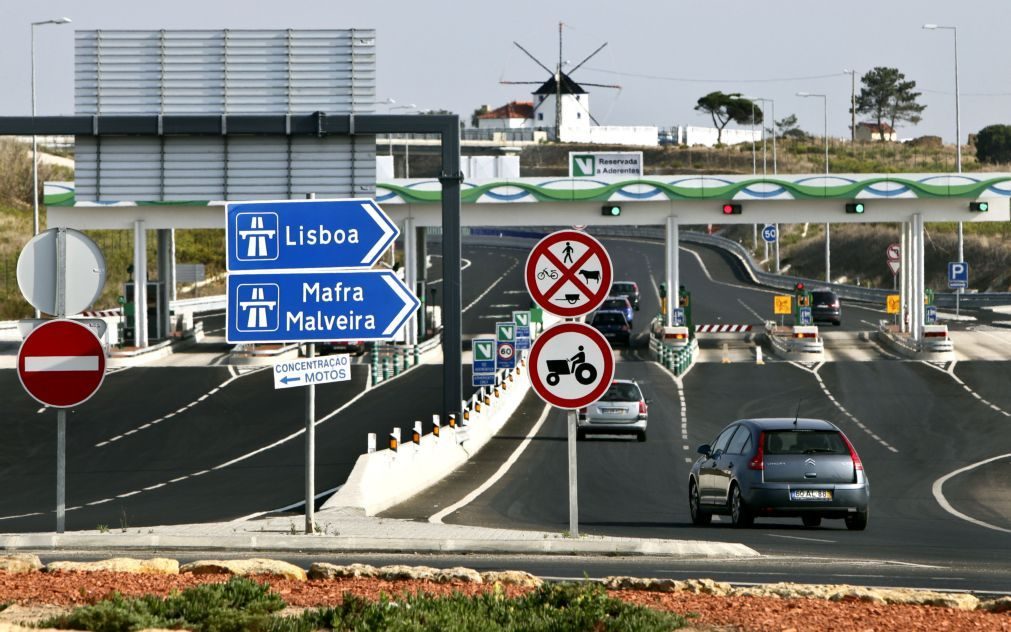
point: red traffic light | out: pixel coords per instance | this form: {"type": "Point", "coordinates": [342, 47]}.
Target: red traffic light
{"type": "Point", "coordinates": [731, 209]}
{"type": "Point", "coordinates": [800, 287]}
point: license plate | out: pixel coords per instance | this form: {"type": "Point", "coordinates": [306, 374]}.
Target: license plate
{"type": "Point", "coordinates": [810, 494]}
{"type": "Point", "coordinates": [612, 411]}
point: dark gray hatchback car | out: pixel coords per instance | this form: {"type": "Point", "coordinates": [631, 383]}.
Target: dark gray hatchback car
{"type": "Point", "coordinates": [779, 467]}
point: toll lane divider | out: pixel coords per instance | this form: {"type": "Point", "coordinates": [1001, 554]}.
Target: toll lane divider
{"type": "Point", "coordinates": [383, 478]}
{"type": "Point", "coordinates": [935, 341]}
{"type": "Point", "coordinates": [789, 341]}
{"type": "Point", "coordinates": [676, 358]}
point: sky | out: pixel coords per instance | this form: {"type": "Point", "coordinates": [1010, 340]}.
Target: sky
{"type": "Point", "coordinates": [665, 54]}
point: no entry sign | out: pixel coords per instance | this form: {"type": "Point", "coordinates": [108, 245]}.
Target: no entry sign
{"type": "Point", "coordinates": [568, 273]}
{"type": "Point", "coordinates": [61, 363]}
{"type": "Point", "coordinates": [571, 365]}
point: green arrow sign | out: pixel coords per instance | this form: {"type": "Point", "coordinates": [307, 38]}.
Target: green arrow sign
{"type": "Point", "coordinates": [505, 332]}
{"type": "Point", "coordinates": [521, 319]}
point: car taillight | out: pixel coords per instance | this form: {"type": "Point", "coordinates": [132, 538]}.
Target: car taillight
{"type": "Point", "coordinates": [758, 463]}
{"type": "Point", "coordinates": [857, 463]}
{"type": "Point", "coordinates": [582, 411]}
{"type": "Point", "coordinates": [834, 305]}
{"type": "Point", "coordinates": [642, 407]}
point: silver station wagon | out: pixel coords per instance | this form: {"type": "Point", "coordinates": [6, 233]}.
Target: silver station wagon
{"type": "Point", "coordinates": [779, 467]}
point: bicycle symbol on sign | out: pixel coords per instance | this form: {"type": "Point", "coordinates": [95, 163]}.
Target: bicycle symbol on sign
{"type": "Point", "coordinates": [547, 273]}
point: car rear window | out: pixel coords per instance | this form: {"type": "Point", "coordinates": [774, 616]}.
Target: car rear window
{"type": "Point", "coordinates": [622, 392]}
{"type": "Point", "coordinates": [623, 288]}
{"type": "Point", "coordinates": [824, 297]}
{"type": "Point", "coordinates": [804, 442]}
{"type": "Point", "coordinates": [609, 318]}
{"type": "Point", "coordinates": [617, 303]}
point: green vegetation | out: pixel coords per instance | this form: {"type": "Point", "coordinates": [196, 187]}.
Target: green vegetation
{"type": "Point", "coordinates": [723, 108]}
{"type": "Point", "coordinates": [993, 144]}
{"type": "Point", "coordinates": [888, 97]}
{"type": "Point", "coordinates": [241, 604]}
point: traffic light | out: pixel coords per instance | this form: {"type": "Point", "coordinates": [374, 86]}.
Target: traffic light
{"type": "Point", "coordinates": [855, 207]}
{"type": "Point", "coordinates": [610, 210]}
{"type": "Point", "coordinates": [804, 300]}
{"type": "Point", "coordinates": [663, 290]}
{"type": "Point", "coordinates": [979, 207]}
{"type": "Point", "coordinates": [799, 287]}
{"type": "Point", "coordinates": [731, 209]}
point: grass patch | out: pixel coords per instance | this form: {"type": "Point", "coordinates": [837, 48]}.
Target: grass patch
{"type": "Point", "coordinates": [241, 604]}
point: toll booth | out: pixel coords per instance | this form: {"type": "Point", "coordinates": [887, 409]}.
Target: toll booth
{"type": "Point", "coordinates": [685, 304]}
{"type": "Point", "coordinates": [154, 326]}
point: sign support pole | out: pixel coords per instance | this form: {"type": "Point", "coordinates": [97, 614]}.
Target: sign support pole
{"type": "Point", "coordinates": [573, 480]}
{"type": "Point", "coordinates": [61, 470]}
{"type": "Point", "coordinates": [310, 439]}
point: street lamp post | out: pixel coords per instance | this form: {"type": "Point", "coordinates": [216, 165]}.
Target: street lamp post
{"type": "Point", "coordinates": [407, 141]}
{"type": "Point", "coordinates": [828, 229]}
{"type": "Point", "coordinates": [958, 125]}
{"type": "Point", "coordinates": [853, 103]}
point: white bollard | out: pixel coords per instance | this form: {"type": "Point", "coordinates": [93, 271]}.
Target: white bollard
{"type": "Point", "coordinates": [758, 356]}
{"type": "Point", "coordinates": [372, 443]}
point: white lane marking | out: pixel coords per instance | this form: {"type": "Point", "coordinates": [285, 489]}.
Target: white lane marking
{"type": "Point", "coordinates": [35, 364]}
{"type": "Point", "coordinates": [842, 408]}
{"type": "Point", "coordinates": [99, 502]}
{"type": "Point", "coordinates": [464, 264]}
{"type": "Point", "coordinates": [679, 384]}
{"type": "Point", "coordinates": [27, 515]}
{"type": "Point", "coordinates": [181, 410]}
{"type": "Point", "coordinates": [753, 312]}
{"type": "Point", "coordinates": [40, 411]}
{"type": "Point", "coordinates": [950, 371]}
{"type": "Point", "coordinates": [938, 492]}
{"type": "Point", "coordinates": [797, 537]}
{"type": "Point", "coordinates": [516, 262]}
{"type": "Point", "coordinates": [128, 494]}
{"type": "Point", "coordinates": [300, 503]}
{"type": "Point", "coordinates": [499, 473]}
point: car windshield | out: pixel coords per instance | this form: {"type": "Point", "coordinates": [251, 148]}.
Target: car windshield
{"type": "Point", "coordinates": [623, 288]}
{"type": "Point", "coordinates": [614, 303]}
{"type": "Point", "coordinates": [609, 318]}
{"type": "Point", "coordinates": [622, 392]}
{"type": "Point", "coordinates": [804, 442]}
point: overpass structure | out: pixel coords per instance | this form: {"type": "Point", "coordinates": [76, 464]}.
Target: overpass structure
{"type": "Point", "coordinates": [909, 200]}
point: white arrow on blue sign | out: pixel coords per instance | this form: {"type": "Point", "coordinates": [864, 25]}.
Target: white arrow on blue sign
{"type": "Point", "coordinates": [301, 234]}
{"type": "Point", "coordinates": [313, 306]}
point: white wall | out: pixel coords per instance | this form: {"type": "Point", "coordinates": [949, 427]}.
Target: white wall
{"type": "Point", "coordinates": [384, 169]}
{"type": "Point", "coordinates": [611, 135]}
{"type": "Point", "coordinates": [505, 123]}
{"type": "Point", "coordinates": [478, 167]}
{"type": "Point", "coordinates": [575, 110]}
{"type": "Point", "coordinates": [707, 136]}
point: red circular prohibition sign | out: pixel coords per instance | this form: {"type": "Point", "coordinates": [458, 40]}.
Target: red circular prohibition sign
{"type": "Point", "coordinates": [61, 363]}
{"type": "Point", "coordinates": [540, 381]}
{"type": "Point", "coordinates": [569, 274]}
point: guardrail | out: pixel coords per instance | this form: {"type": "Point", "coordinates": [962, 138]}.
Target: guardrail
{"type": "Point", "coordinates": [390, 360]}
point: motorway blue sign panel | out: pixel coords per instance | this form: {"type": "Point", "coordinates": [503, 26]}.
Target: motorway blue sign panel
{"type": "Point", "coordinates": [483, 352]}
{"type": "Point", "coordinates": [482, 379]}
{"type": "Point", "coordinates": [522, 342]}
{"type": "Point", "coordinates": [804, 316]}
{"type": "Point", "coordinates": [678, 316]}
{"type": "Point", "coordinates": [958, 275]}
{"type": "Point", "coordinates": [313, 306]}
{"type": "Point", "coordinates": [769, 233]}
{"type": "Point", "coordinates": [931, 314]}
{"type": "Point", "coordinates": [302, 234]}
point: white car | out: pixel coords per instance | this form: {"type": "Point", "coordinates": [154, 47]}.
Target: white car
{"type": "Point", "coordinates": [622, 410]}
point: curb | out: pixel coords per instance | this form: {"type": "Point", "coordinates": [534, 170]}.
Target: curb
{"type": "Point", "coordinates": [553, 544]}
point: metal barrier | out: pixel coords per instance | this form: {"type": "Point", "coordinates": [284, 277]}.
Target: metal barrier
{"type": "Point", "coordinates": [676, 358]}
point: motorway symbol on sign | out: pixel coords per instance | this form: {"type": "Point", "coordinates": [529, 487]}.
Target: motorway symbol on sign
{"type": "Point", "coordinates": [506, 356]}
{"type": "Point", "coordinates": [83, 268]}
{"type": "Point", "coordinates": [522, 318]}
{"type": "Point", "coordinates": [804, 316]}
{"type": "Point", "coordinates": [781, 304]}
{"type": "Point", "coordinates": [568, 273]}
{"type": "Point", "coordinates": [893, 252]}
{"type": "Point", "coordinates": [958, 274]}
{"type": "Point", "coordinates": [769, 233]}
{"type": "Point", "coordinates": [678, 317]}
{"type": "Point", "coordinates": [931, 314]}
{"type": "Point", "coordinates": [571, 365]}
{"type": "Point", "coordinates": [893, 303]}
{"type": "Point", "coordinates": [305, 371]}
{"type": "Point", "coordinates": [505, 332]}
{"type": "Point", "coordinates": [894, 266]}
{"type": "Point", "coordinates": [313, 306]}
{"type": "Point", "coordinates": [484, 355]}
{"type": "Point", "coordinates": [306, 234]}
{"type": "Point", "coordinates": [61, 363]}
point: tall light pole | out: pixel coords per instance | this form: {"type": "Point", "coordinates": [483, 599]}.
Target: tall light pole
{"type": "Point", "coordinates": [35, 160]}
{"type": "Point", "coordinates": [407, 141]}
{"type": "Point", "coordinates": [853, 103]}
{"type": "Point", "coordinates": [828, 229]}
{"type": "Point", "coordinates": [958, 125]}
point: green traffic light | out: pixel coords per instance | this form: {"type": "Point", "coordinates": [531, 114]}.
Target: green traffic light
{"type": "Point", "coordinates": [859, 208]}
{"type": "Point", "coordinates": [615, 211]}
{"type": "Point", "coordinates": [982, 207]}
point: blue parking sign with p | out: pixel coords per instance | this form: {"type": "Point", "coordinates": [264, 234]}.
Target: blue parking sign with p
{"type": "Point", "coordinates": [958, 275]}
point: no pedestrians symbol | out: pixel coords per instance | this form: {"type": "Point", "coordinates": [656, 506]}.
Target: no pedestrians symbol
{"type": "Point", "coordinates": [568, 273]}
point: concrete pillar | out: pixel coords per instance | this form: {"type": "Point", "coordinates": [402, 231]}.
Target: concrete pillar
{"type": "Point", "coordinates": [410, 275]}
{"type": "Point", "coordinates": [672, 270]}
{"type": "Point", "coordinates": [140, 283]}
{"type": "Point", "coordinates": [166, 276]}
{"type": "Point", "coordinates": [828, 252]}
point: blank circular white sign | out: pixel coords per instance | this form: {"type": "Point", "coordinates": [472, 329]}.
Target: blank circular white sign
{"type": "Point", "coordinates": [83, 265]}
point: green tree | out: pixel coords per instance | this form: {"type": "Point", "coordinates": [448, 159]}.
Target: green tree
{"type": "Point", "coordinates": [993, 144]}
{"type": "Point", "coordinates": [786, 127]}
{"type": "Point", "coordinates": [476, 115]}
{"type": "Point", "coordinates": [724, 108]}
{"type": "Point", "coordinates": [887, 96]}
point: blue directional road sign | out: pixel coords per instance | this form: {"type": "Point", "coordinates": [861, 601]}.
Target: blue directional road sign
{"type": "Point", "coordinates": [804, 315]}
{"type": "Point", "coordinates": [303, 234]}
{"type": "Point", "coordinates": [678, 316]}
{"type": "Point", "coordinates": [931, 314]}
{"type": "Point", "coordinates": [482, 379]}
{"type": "Point", "coordinates": [312, 306]}
{"type": "Point", "coordinates": [958, 275]}
{"type": "Point", "coordinates": [769, 233]}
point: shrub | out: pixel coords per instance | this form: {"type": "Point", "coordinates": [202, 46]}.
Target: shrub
{"type": "Point", "coordinates": [993, 144]}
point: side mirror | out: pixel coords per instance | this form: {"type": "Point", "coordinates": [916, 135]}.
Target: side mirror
{"type": "Point", "coordinates": [704, 449]}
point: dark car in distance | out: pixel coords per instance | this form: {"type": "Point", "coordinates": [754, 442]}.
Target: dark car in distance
{"type": "Point", "coordinates": [628, 289]}
{"type": "Point", "coordinates": [803, 468]}
{"type": "Point", "coordinates": [614, 326]}
{"type": "Point", "coordinates": [618, 304]}
{"type": "Point", "coordinates": [825, 307]}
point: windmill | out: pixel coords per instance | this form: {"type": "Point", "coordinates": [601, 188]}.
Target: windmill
{"type": "Point", "coordinates": [560, 79]}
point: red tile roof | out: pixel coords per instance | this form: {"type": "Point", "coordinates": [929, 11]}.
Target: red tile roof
{"type": "Point", "coordinates": [515, 109]}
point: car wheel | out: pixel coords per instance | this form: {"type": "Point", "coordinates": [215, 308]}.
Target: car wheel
{"type": "Point", "coordinates": [837, 322]}
{"type": "Point", "coordinates": [580, 434]}
{"type": "Point", "coordinates": [699, 517]}
{"type": "Point", "coordinates": [811, 520]}
{"type": "Point", "coordinates": [740, 515]}
{"type": "Point", "coordinates": [857, 521]}
{"type": "Point", "coordinates": [641, 436]}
